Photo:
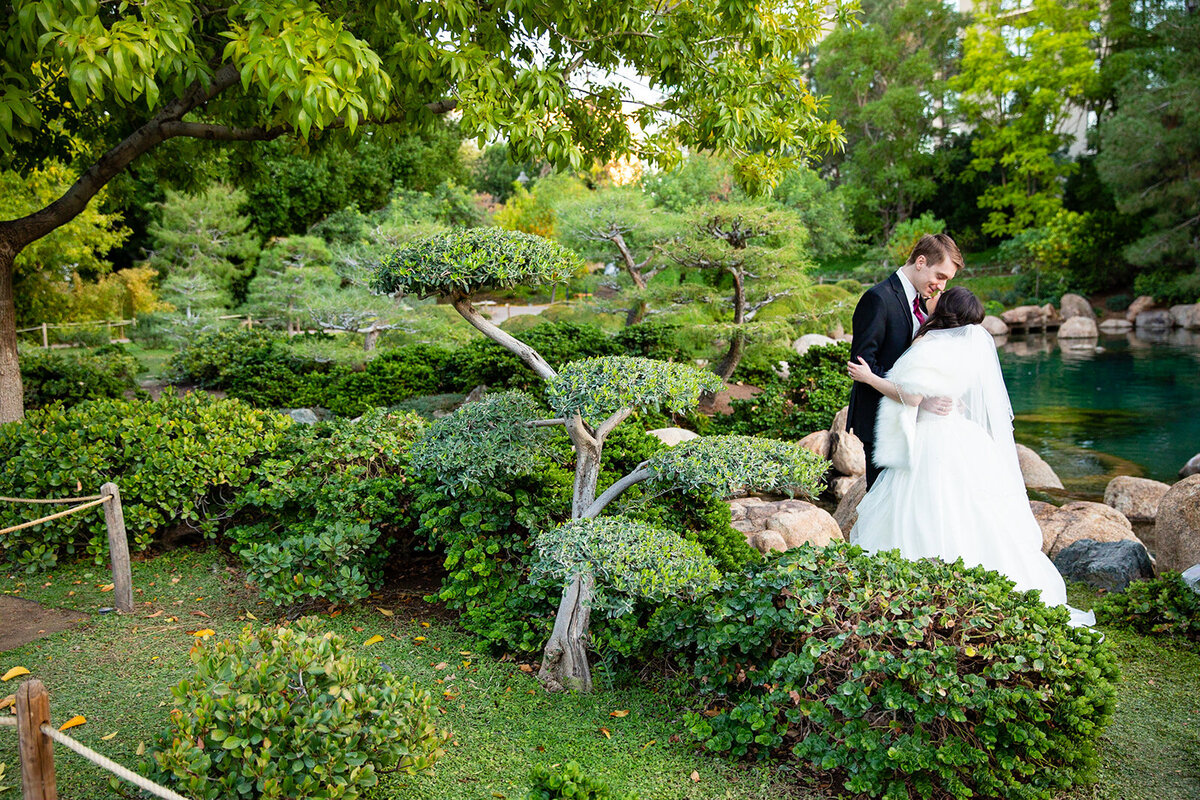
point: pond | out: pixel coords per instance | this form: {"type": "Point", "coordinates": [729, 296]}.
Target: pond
{"type": "Point", "coordinates": [1125, 405]}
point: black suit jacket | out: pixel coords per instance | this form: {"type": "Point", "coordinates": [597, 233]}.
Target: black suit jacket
{"type": "Point", "coordinates": [883, 330]}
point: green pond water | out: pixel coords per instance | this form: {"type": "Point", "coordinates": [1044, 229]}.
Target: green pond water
{"type": "Point", "coordinates": [1126, 405]}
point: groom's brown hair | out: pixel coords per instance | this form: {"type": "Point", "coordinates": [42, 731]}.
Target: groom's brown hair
{"type": "Point", "coordinates": [937, 247]}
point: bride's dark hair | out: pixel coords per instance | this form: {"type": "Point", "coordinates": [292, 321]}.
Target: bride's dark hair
{"type": "Point", "coordinates": [955, 308]}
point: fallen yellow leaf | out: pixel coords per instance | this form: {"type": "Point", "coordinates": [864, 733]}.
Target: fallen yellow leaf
{"type": "Point", "coordinates": [141, 748]}
{"type": "Point", "coordinates": [109, 736]}
{"type": "Point", "coordinates": [418, 638]}
{"type": "Point", "coordinates": [155, 614]}
{"type": "Point", "coordinates": [376, 639]}
{"type": "Point", "coordinates": [251, 616]}
{"type": "Point", "coordinates": [424, 624]}
{"type": "Point", "coordinates": [695, 776]}
{"type": "Point", "coordinates": [72, 722]}
{"type": "Point", "coordinates": [441, 665]}
{"type": "Point", "coordinates": [385, 612]}
{"type": "Point", "coordinates": [607, 734]}
{"type": "Point", "coordinates": [619, 714]}
{"type": "Point", "coordinates": [15, 672]}
{"type": "Point", "coordinates": [647, 744]}
{"type": "Point", "coordinates": [8, 701]}
{"type": "Point", "coordinates": [204, 633]}
{"type": "Point", "coordinates": [108, 587]}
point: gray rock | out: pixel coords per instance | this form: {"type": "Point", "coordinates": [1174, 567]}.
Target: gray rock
{"type": "Point", "coordinates": [805, 524]}
{"type": "Point", "coordinates": [1192, 467]}
{"type": "Point", "coordinates": [1116, 326]}
{"type": "Point", "coordinates": [303, 416]}
{"type": "Point", "coordinates": [808, 340]}
{"type": "Point", "coordinates": [1143, 303]}
{"type": "Point", "coordinates": [1074, 305]}
{"type": "Point", "coordinates": [1159, 319]}
{"type": "Point", "coordinates": [1106, 565]}
{"type": "Point", "coordinates": [766, 541]}
{"type": "Point", "coordinates": [1177, 526]}
{"type": "Point", "coordinates": [1036, 472]}
{"type": "Point", "coordinates": [1079, 328]}
{"type": "Point", "coordinates": [476, 394]}
{"type": "Point", "coordinates": [839, 421]}
{"type": "Point", "coordinates": [673, 436]}
{"type": "Point", "coordinates": [995, 326]}
{"type": "Point", "coordinates": [1191, 576]}
{"type": "Point", "coordinates": [1186, 316]}
{"type": "Point", "coordinates": [1023, 316]}
{"type": "Point", "coordinates": [843, 485]}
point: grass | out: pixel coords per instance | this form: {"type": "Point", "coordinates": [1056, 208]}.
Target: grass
{"type": "Point", "coordinates": [117, 672]}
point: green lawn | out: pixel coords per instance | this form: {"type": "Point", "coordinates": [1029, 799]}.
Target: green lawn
{"type": "Point", "coordinates": [117, 671]}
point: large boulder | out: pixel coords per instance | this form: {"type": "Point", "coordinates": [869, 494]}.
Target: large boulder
{"type": "Point", "coordinates": [817, 442]}
{"type": "Point", "coordinates": [765, 541]}
{"type": "Point", "coordinates": [1050, 315]}
{"type": "Point", "coordinates": [839, 420]}
{"type": "Point", "coordinates": [1079, 328]}
{"type": "Point", "coordinates": [1192, 467]}
{"type": "Point", "coordinates": [303, 416]}
{"type": "Point", "coordinates": [673, 436]}
{"type": "Point", "coordinates": [1177, 526]}
{"type": "Point", "coordinates": [847, 511]}
{"type": "Point", "coordinates": [847, 454]}
{"type": "Point", "coordinates": [1115, 326]}
{"type": "Point", "coordinates": [1023, 317]}
{"type": "Point", "coordinates": [1036, 472]}
{"type": "Point", "coordinates": [1136, 498]}
{"type": "Point", "coordinates": [1074, 305]}
{"type": "Point", "coordinates": [995, 326]}
{"type": "Point", "coordinates": [1080, 520]}
{"type": "Point", "coordinates": [808, 340]}
{"type": "Point", "coordinates": [1110, 566]}
{"type": "Point", "coordinates": [1158, 319]}
{"type": "Point", "coordinates": [804, 523]}
{"type": "Point", "coordinates": [1186, 316]}
{"type": "Point", "coordinates": [1143, 303]}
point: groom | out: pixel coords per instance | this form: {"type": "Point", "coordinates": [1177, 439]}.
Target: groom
{"type": "Point", "coordinates": [886, 319]}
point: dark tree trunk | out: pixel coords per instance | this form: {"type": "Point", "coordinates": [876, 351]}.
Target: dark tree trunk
{"type": "Point", "coordinates": [12, 393]}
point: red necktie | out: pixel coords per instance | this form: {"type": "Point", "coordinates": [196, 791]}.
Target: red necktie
{"type": "Point", "coordinates": [917, 312]}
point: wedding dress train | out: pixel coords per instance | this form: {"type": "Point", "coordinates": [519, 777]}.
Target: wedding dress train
{"type": "Point", "coordinates": [952, 487]}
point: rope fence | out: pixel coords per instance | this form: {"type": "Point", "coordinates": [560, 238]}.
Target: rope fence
{"type": "Point", "coordinates": [36, 738]}
{"type": "Point", "coordinates": [114, 522]}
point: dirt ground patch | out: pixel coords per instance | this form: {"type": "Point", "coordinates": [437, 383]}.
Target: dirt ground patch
{"type": "Point", "coordinates": [22, 621]}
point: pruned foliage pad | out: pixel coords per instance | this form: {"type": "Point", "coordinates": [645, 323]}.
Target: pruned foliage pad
{"type": "Point", "coordinates": [899, 679]}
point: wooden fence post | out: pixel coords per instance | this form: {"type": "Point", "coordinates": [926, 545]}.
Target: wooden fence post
{"type": "Point", "coordinates": [118, 549]}
{"type": "Point", "coordinates": [45, 336]}
{"type": "Point", "coordinates": [37, 749]}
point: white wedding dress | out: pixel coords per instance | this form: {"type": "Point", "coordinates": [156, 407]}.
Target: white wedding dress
{"type": "Point", "coordinates": [952, 486]}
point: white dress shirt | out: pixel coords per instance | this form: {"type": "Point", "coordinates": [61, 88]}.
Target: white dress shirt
{"type": "Point", "coordinates": [910, 293]}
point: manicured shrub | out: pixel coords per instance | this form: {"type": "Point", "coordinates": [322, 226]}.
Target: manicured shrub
{"type": "Point", "coordinates": [172, 458]}
{"type": "Point", "coordinates": [290, 713]}
{"type": "Point", "coordinates": [71, 378]}
{"type": "Point", "coordinates": [326, 511]}
{"type": "Point", "coordinates": [569, 782]}
{"type": "Point", "coordinates": [1165, 605]}
{"type": "Point", "coordinates": [898, 678]}
{"type": "Point", "coordinates": [815, 389]}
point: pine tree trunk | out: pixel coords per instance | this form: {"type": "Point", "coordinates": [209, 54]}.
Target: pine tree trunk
{"type": "Point", "coordinates": [12, 393]}
{"type": "Point", "coordinates": [565, 660]}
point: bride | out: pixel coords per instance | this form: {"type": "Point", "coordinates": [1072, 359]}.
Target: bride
{"type": "Point", "coordinates": [951, 486]}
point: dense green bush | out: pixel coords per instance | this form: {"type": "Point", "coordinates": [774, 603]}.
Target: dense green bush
{"type": "Point", "coordinates": [327, 509]}
{"type": "Point", "coordinates": [388, 379]}
{"type": "Point", "coordinates": [569, 782]}
{"type": "Point", "coordinates": [290, 713]}
{"type": "Point", "coordinates": [899, 678]}
{"type": "Point", "coordinates": [174, 459]}
{"type": "Point", "coordinates": [807, 400]}
{"type": "Point", "coordinates": [71, 378]}
{"type": "Point", "coordinates": [906, 234]}
{"type": "Point", "coordinates": [1165, 605]}
{"type": "Point", "coordinates": [251, 365]}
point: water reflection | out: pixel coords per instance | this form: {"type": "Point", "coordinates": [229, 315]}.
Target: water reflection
{"type": "Point", "coordinates": [1121, 404]}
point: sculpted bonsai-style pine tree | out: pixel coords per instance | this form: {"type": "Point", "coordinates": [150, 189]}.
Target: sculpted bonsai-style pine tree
{"type": "Point", "coordinates": [589, 398]}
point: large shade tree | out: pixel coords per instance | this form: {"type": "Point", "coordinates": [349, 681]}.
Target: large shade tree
{"type": "Point", "coordinates": [589, 398]}
{"type": "Point", "coordinates": [140, 74]}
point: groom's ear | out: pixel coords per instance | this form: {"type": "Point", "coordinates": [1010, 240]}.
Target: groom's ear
{"type": "Point", "coordinates": [919, 262]}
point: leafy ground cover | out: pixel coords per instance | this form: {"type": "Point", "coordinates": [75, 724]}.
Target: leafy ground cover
{"type": "Point", "coordinates": [117, 671]}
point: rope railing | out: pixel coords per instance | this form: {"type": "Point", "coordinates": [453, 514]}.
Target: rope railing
{"type": "Point", "coordinates": [59, 515]}
{"type": "Point", "coordinates": [4, 499]}
{"type": "Point", "coordinates": [114, 521]}
{"type": "Point", "coordinates": [36, 738]}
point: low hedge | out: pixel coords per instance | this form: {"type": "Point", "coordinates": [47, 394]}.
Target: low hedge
{"type": "Point", "coordinates": [899, 679]}
{"type": "Point", "coordinates": [175, 460]}
{"type": "Point", "coordinates": [48, 376]}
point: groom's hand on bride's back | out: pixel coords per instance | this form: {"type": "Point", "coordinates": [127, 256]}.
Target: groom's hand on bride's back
{"type": "Point", "coordinates": [937, 405]}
